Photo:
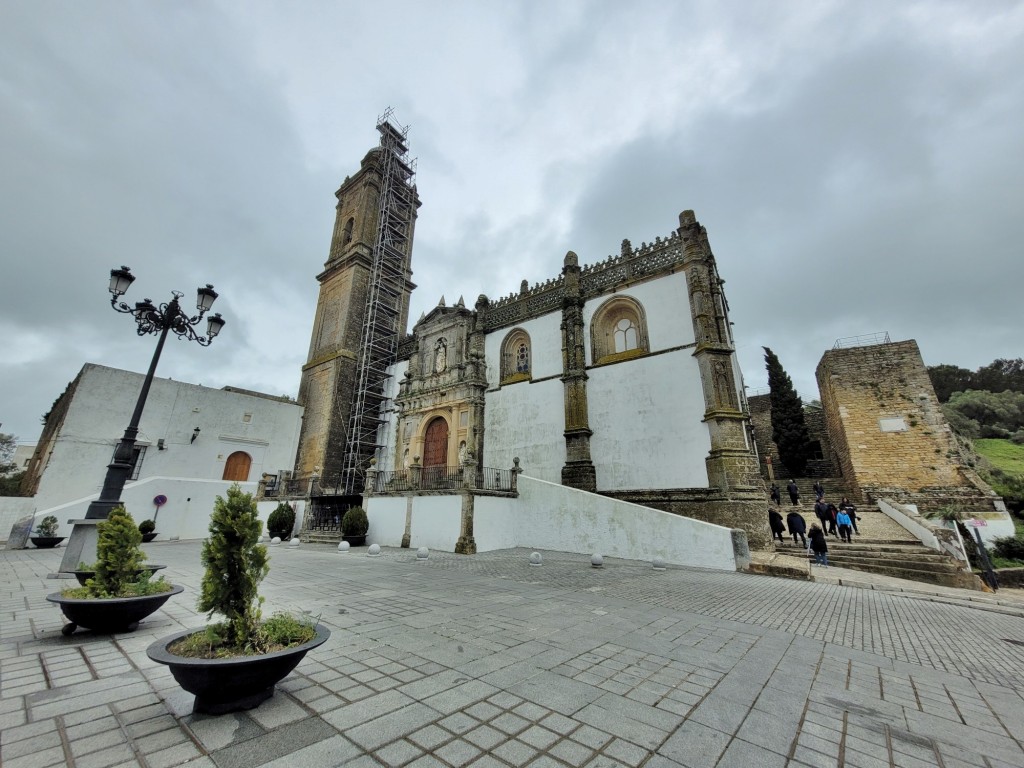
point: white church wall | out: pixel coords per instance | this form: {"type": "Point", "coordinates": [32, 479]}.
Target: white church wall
{"type": "Point", "coordinates": [387, 434]}
{"type": "Point", "coordinates": [545, 347]}
{"type": "Point", "coordinates": [527, 420]}
{"type": "Point", "coordinates": [666, 305]}
{"type": "Point", "coordinates": [264, 428]}
{"type": "Point", "coordinates": [646, 414]}
{"type": "Point", "coordinates": [551, 516]}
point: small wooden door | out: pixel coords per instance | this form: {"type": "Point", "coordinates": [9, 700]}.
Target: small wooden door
{"type": "Point", "coordinates": [435, 444]}
{"type": "Point", "coordinates": [237, 466]}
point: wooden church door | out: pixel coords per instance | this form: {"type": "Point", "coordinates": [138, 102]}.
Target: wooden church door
{"type": "Point", "coordinates": [435, 444]}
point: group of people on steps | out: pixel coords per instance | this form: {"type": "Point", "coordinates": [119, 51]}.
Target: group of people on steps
{"type": "Point", "coordinates": [839, 521]}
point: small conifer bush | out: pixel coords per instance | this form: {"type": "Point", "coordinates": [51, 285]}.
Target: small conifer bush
{"type": "Point", "coordinates": [147, 526]}
{"type": "Point", "coordinates": [355, 522]}
{"type": "Point", "coordinates": [47, 526]}
{"type": "Point", "coordinates": [235, 564]}
{"type": "Point", "coordinates": [281, 520]}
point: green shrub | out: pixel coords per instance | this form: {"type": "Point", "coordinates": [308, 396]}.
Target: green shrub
{"type": "Point", "coordinates": [1009, 547]}
{"type": "Point", "coordinates": [47, 526]}
{"type": "Point", "coordinates": [147, 526]}
{"type": "Point", "coordinates": [281, 520]}
{"type": "Point", "coordinates": [355, 522]}
{"type": "Point", "coordinates": [118, 556]}
{"type": "Point", "coordinates": [235, 564]}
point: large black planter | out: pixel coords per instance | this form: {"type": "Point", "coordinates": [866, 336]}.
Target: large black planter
{"type": "Point", "coordinates": [84, 575]}
{"type": "Point", "coordinates": [229, 685]}
{"type": "Point", "coordinates": [282, 535]}
{"type": "Point", "coordinates": [355, 541]}
{"type": "Point", "coordinates": [46, 542]}
{"type": "Point", "coordinates": [148, 537]}
{"type": "Point", "coordinates": [109, 614]}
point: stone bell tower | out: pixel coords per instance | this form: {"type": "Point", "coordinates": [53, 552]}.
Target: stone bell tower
{"type": "Point", "coordinates": [361, 314]}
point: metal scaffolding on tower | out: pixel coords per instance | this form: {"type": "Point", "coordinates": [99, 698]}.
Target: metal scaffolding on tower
{"type": "Point", "coordinates": [387, 290]}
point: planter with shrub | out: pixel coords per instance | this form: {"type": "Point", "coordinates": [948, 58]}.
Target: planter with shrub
{"type": "Point", "coordinates": [148, 530]}
{"type": "Point", "coordinates": [46, 533]}
{"type": "Point", "coordinates": [235, 664]}
{"type": "Point", "coordinates": [281, 522]}
{"type": "Point", "coordinates": [121, 591]}
{"type": "Point", "coordinates": [354, 526]}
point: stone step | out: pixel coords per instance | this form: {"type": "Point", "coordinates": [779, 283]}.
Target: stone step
{"type": "Point", "coordinates": [960, 579]}
{"type": "Point", "coordinates": [320, 537]}
{"type": "Point", "coordinates": [868, 563]}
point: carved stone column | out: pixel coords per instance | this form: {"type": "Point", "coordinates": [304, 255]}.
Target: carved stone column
{"type": "Point", "coordinates": [732, 462]}
{"type": "Point", "coordinates": [578, 471]}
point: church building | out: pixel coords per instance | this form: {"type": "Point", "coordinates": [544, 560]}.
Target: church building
{"type": "Point", "coordinates": [616, 378]}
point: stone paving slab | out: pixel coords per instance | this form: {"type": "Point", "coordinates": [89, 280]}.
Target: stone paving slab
{"type": "Point", "coordinates": [485, 661]}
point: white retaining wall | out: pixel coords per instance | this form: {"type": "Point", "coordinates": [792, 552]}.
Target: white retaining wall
{"type": "Point", "coordinates": [555, 517]}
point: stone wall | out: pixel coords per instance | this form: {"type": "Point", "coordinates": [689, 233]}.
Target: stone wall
{"type": "Point", "coordinates": [887, 427]}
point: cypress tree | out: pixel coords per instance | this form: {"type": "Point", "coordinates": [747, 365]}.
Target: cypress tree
{"type": "Point", "coordinates": [789, 430]}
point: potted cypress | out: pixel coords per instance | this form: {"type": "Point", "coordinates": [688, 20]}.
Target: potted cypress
{"type": "Point", "coordinates": [46, 533]}
{"type": "Point", "coordinates": [148, 530]}
{"type": "Point", "coordinates": [234, 664]}
{"type": "Point", "coordinates": [354, 526]}
{"type": "Point", "coordinates": [121, 592]}
{"type": "Point", "coordinates": [281, 522]}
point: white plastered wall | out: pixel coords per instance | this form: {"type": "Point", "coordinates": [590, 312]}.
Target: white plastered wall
{"type": "Point", "coordinates": [187, 472]}
{"type": "Point", "coordinates": [526, 419]}
{"type": "Point", "coordinates": [554, 517]}
{"type": "Point", "coordinates": [646, 413]}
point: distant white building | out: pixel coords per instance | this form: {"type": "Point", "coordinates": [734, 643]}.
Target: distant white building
{"type": "Point", "coordinates": [193, 443]}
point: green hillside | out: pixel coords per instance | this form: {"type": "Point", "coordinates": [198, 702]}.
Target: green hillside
{"type": "Point", "coordinates": [1002, 454]}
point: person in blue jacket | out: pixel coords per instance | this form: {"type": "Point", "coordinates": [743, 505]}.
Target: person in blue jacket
{"type": "Point", "coordinates": [844, 524]}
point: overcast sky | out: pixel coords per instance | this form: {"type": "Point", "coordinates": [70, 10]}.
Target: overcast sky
{"type": "Point", "coordinates": [859, 166]}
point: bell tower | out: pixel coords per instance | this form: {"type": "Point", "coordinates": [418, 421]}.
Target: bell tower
{"type": "Point", "coordinates": [361, 314]}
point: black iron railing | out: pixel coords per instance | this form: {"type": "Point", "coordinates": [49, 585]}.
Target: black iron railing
{"type": "Point", "coordinates": [444, 478]}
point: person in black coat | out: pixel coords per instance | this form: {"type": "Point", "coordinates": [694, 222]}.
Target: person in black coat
{"type": "Point", "coordinates": [797, 526]}
{"type": "Point", "coordinates": [776, 524]}
{"type": "Point", "coordinates": [776, 498]}
{"type": "Point", "coordinates": [794, 492]}
{"type": "Point", "coordinates": [819, 546]}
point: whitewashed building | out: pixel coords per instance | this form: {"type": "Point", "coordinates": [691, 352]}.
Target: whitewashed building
{"type": "Point", "coordinates": [193, 443]}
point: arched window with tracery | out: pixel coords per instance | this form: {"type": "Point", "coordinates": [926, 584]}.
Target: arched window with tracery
{"type": "Point", "coordinates": [349, 225]}
{"type": "Point", "coordinates": [516, 357]}
{"type": "Point", "coordinates": [618, 330]}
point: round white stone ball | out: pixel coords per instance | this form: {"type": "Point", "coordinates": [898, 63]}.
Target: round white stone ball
{"type": "Point", "coordinates": [658, 564]}
{"type": "Point", "coordinates": [422, 553]}
{"type": "Point", "coordinates": [294, 543]}
{"type": "Point", "coordinates": [343, 547]}
{"type": "Point", "coordinates": [597, 560]}
{"type": "Point", "coordinates": [276, 540]}
{"type": "Point", "coordinates": [373, 551]}
{"type": "Point", "coordinates": [535, 558]}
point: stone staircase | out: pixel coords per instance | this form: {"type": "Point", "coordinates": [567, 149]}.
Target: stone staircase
{"type": "Point", "coordinates": [884, 547]}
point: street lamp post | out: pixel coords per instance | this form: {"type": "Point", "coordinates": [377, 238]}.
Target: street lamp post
{"type": "Point", "coordinates": [150, 319]}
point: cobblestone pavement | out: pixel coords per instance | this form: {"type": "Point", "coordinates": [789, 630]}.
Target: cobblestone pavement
{"type": "Point", "coordinates": [486, 661]}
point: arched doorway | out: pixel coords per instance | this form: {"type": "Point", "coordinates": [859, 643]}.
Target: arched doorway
{"type": "Point", "coordinates": [435, 451]}
{"type": "Point", "coordinates": [237, 466]}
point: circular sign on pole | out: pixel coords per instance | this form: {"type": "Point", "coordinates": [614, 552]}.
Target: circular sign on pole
{"type": "Point", "coordinates": [160, 500]}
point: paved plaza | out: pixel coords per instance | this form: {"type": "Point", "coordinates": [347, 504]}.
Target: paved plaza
{"type": "Point", "coordinates": [485, 661]}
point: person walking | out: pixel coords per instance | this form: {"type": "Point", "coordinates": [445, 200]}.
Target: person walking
{"type": "Point", "coordinates": [797, 526]}
{"type": "Point", "coordinates": [776, 498]}
{"type": "Point", "coordinates": [819, 546]}
{"type": "Point", "coordinates": [794, 492]}
{"type": "Point", "coordinates": [843, 522]}
{"type": "Point", "coordinates": [819, 490]}
{"type": "Point", "coordinates": [851, 510]}
{"type": "Point", "coordinates": [776, 524]}
{"type": "Point", "coordinates": [821, 512]}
